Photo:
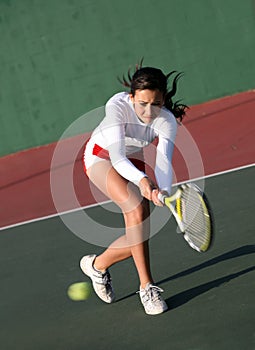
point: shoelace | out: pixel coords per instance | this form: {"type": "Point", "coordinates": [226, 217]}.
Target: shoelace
{"type": "Point", "coordinates": [153, 292]}
{"type": "Point", "coordinates": [106, 280]}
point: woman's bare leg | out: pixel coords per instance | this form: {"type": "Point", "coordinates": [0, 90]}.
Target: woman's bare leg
{"type": "Point", "coordinates": [136, 214]}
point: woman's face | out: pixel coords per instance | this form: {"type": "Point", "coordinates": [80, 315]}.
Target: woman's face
{"type": "Point", "coordinates": [147, 104]}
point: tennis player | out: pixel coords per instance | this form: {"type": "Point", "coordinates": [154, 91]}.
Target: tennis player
{"type": "Point", "coordinates": [113, 161]}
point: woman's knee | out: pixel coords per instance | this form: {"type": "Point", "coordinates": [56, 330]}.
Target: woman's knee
{"type": "Point", "coordinates": [139, 213]}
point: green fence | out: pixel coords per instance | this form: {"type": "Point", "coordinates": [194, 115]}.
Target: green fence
{"type": "Point", "coordinates": [60, 58]}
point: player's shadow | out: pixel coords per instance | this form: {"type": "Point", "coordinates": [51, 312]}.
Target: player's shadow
{"type": "Point", "coordinates": [244, 250]}
{"type": "Point", "coordinates": [183, 297]}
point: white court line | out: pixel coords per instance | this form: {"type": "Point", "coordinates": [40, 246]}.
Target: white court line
{"type": "Point", "coordinates": [106, 202]}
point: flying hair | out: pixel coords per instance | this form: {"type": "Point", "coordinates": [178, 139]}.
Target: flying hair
{"type": "Point", "coordinates": [154, 79]}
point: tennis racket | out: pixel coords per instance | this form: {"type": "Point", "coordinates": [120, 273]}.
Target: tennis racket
{"type": "Point", "coordinates": [192, 212]}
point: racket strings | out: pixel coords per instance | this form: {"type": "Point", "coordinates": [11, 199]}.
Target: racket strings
{"type": "Point", "coordinates": [195, 218]}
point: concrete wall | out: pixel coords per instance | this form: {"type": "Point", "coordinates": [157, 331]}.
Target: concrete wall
{"type": "Point", "coordinates": [60, 58]}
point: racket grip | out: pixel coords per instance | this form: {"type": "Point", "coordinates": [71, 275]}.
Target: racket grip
{"type": "Point", "coordinates": [161, 197]}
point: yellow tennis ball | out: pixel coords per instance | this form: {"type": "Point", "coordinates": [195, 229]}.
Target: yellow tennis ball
{"type": "Point", "coordinates": [79, 291]}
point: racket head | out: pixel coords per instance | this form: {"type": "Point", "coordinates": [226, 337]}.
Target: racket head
{"type": "Point", "coordinates": [195, 213]}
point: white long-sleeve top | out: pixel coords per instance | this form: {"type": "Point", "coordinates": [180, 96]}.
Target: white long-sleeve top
{"type": "Point", "coordinates": [122, 133]}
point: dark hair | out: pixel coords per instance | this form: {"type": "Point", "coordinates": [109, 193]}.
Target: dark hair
{"type": "Point", "coordinates": [154, 79]}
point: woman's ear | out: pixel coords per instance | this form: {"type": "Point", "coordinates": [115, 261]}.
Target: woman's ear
{"type": "Point", "coordinates": [131, 97]}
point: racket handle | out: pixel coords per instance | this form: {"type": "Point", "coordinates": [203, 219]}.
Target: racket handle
{"type": "Point", "coordinates": [162, 197]}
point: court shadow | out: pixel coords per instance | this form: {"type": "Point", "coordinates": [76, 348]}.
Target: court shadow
{"type": "Point", "coordinates": [244, 250]}
{"type": "Point", "coordinates": [184, 297]}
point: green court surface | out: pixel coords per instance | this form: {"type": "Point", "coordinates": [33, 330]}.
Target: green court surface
{"type": "Point", "coordinates": [210, 295]}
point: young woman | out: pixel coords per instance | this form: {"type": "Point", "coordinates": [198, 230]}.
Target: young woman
{"type": "Point", "coordinates": [132, 121]}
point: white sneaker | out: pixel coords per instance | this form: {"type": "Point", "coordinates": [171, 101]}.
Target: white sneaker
{"type": "Point", "coordinates": [151, 299]}
{"type": "Point", "coordinates": [101, 281]}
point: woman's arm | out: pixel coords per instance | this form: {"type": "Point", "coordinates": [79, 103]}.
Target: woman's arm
{"type": "Point", "coordinates": [114, 135]}
{"type": "Point", "coordinates": [165, 147]}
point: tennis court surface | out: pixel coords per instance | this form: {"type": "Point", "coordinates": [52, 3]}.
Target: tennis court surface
{"type": "Point", "coordinates": [210, 295]}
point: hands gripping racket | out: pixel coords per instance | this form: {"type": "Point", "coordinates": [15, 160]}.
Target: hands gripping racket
{"type": "Point", "coordinates": [191, 210]}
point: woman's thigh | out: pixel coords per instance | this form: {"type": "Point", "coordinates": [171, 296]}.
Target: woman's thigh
{"type": "Point", "coordinates": [124, 193]}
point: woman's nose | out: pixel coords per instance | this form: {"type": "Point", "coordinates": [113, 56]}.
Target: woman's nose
{"type": "Point", "coordinates": [148, 110]}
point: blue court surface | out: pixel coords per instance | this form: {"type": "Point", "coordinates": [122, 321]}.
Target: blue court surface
{"type": "Point", "coordinates": [210, 295]}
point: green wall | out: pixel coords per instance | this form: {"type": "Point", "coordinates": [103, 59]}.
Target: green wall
{"type": "Point", "coordinates": [60, 58]}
